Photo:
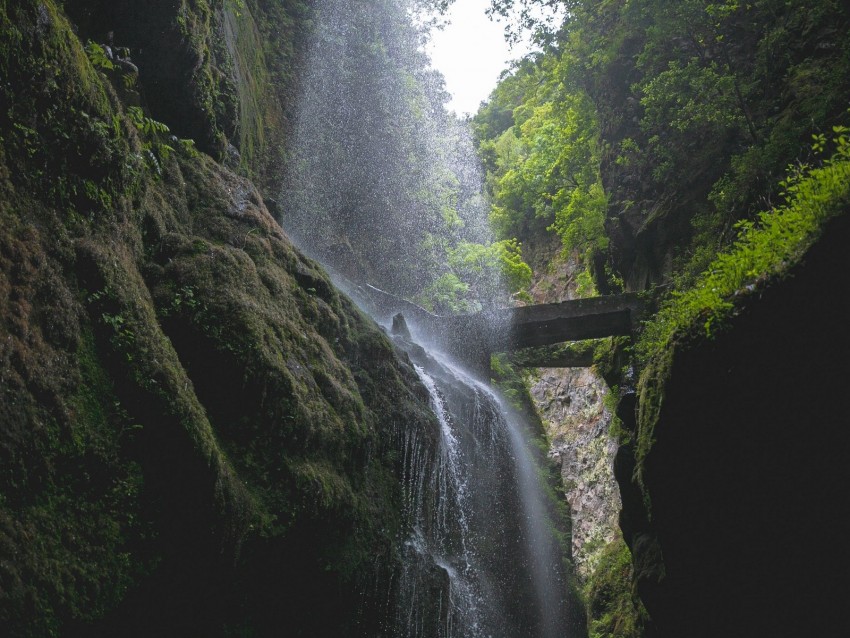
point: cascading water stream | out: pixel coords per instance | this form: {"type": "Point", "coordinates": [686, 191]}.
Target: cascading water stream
{"type": "Point", "coordinates": [481, 525]}
{"type": "Point", "coordinates": [453, 556]}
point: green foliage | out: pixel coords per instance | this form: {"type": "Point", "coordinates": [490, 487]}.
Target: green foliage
{"type": "Point", "coordinates": [157, 140]}
{"type": "Point", "coordinates": [478, 273]}
{"type": "Point", "coordinates": [764, 249]}
{"type": "Point", "coordinates": [185, 299]}
{"type": "Point", "coordinates": [447, 295]}
{"type": "Point", "coordinates": [701, 104]}
{"type": "Point", "coordinates": [537, 137]}
{"type": "Point", "coordinates": [614, 610]}
{"type": "Point", "coordinates": [155, 149]}
{"type": "Point", "coordinates": [97, 56]}
{"type": "Point", "coordinates": [188, 147]}
{"type": "Point", "coordinates": [585, 286]}
{"type": "Point", "coordinates": [691, 98]}
{"type": "Point", "coordinates": [687, 108]}
{"type": "Point", "coordinates": [515, 272]}
{"type": "Point", "coordinates": [147, 126]}
{"type": "Point", "coordinates": [482, 264]}
{"type": "Point", "coordinates": [704, 104]}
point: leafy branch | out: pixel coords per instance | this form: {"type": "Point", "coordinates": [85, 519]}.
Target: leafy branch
{"type": "Point", "coordinates": [97, 56]}
{"type": "Point", "coordinates": [157, 140]}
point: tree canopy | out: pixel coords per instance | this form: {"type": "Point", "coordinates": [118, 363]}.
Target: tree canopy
{"type": "Point", "coordinates": [658, 124]}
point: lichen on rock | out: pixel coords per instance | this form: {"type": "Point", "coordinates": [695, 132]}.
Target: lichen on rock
{"type": "Point", "coordinates": [570, 403]}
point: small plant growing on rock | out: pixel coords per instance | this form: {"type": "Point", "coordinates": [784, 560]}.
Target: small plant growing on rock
{"type": "Point", "coordinates": [157, 140]}
{"type": "Point", "coordinates": [97, 56]}
{"type": "Point", "coordinates": [154, 148]}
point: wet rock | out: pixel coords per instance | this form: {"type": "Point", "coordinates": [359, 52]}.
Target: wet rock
{"type": "Point", "coordinates": [739, 520]}
{"type": "Point", "coordinates": [400, 326]}
{"type": "Point", "coordinates": [570, 403]}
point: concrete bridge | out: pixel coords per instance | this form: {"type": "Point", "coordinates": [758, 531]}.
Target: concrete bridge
{"type": "Point", "coordinates": [474, 337]}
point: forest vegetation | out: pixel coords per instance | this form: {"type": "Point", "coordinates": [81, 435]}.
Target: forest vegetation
{"type": "Point", "coordinates": [694, 151]}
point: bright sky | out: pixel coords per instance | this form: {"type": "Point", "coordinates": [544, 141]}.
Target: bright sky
{"type": "Point", "coordinates": [471, 53]}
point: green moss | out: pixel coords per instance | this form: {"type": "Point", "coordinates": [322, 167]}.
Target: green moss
{"type": "Point", "coordinates": [61, 128]}
{"type": "Point", "coordinates": [253, 78]}
{"type": "Point", "coordinates": [651, 388]}
{"type": "Point", "coordinates": [764, 251]}
{"type": "Point", "coordinates": [614, 610]}
{"type": "Point", "coordinates": [572, 354]}
{"type": "Point", "coordinates": [69, 505]}
{"type": "Point", "coordinates": [610, 356]}
{"type": "Point", "coordinates": [510, 378]}
{"type": "Point", "coordinates": [281, 28]}
{"type": "Point", "coordinates": [322, 484]}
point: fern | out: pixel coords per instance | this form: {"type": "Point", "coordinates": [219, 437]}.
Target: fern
{"type": "Point", "coordinates": [97, 56]}
{"type": "Point", "coordinates": [765, 248]}
{"type": "Point", "coordinates": [146, 125]}
{"type": "Point", "coordinates": [155, 149]}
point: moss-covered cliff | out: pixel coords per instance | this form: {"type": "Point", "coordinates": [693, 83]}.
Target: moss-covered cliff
{"type": "Point", "coordinates": [735, 512]}
{"type": "Point", "coordinates": [220, 72]}
{"type": "Point", "coordinates": [196, 430]}
{"type": "Point", "coordinates": [730, 480]}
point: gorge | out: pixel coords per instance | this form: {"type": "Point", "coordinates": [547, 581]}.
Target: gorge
{"type": "Point", "coordinates": [209, 426]}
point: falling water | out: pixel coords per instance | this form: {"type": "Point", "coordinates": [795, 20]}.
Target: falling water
{"type": "Point", "coordinates": [375, 167]}
{"type": "Point", "coordinates": [482, 519]}
{"type": "Point", "coordinates": [381, 179]}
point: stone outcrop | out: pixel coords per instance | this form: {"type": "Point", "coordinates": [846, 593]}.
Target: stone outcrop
{"type": "Point", "coordinates": [735, 513]}
{"type": "Point", "coordinates": [570, 403]}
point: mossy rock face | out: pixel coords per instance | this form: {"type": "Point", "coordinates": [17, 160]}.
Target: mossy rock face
{"type": "Point", "coordinates": [218, 72]}
{"type": "Point", "coordinates": [185, 70]}
{"type": "Point", "coordinates": [613, 606]}
{"type": "Point", "coordinates": [197, 432]}
{"type": "Point", "coordinates": [741, 449]}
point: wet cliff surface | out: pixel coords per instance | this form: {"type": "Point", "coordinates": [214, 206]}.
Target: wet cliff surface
{"type": "Point", "coordinates": [570, 403]}
{"type": "Point", "coordinates": [738, 527]}
{"type": "Point", "coordinates": [220, 72]}
{"type": "Point", "coordinates": [198, 434]}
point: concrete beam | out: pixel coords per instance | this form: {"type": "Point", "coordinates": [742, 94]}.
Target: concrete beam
{"type": "Point", "coordinates": [476, 336]}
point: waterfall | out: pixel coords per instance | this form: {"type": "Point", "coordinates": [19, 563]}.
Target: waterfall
{"type": "Point", "coordinates": [380, 182]}
{"type": "Point", "coordinates": [481, 531]}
